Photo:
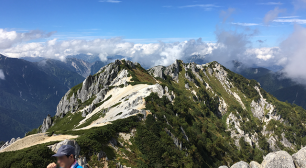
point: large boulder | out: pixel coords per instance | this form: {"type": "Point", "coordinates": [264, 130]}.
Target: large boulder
{"type": "Point", "coordinates": [254, 164]}
{"type": "Point", "coordinates": [240, 164]}
{"type": "Point", "coordinates": [279, 159]}
{"type": "Point", "coordinates": [299, 158]}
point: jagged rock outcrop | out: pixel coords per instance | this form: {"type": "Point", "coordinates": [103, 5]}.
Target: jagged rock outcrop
{"type": "Point", "coordinates": [8, 143]}
{"type": "Point", "coordinates": [46, 124]}
{"type": "Point", "coordinates": [96, 85]}
{"type": "Point", "coordinates": [157, 71]}
{"type": "Point", "coordinates": [299, 158]}
{"type": "Point", "coordinates": [240, 164]}
{"type": "Point", "coordinates": [173, 70]}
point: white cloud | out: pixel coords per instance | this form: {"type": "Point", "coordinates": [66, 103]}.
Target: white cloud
{"type": "Point", "coordinates": [294, 49]}
{"type": "Point", "coordinates": [271, 3]}
{"type": "Point", "coordinates": [110, 1]}
{"type": "Point", "coordinates": [225, 14]}
{"type": "Point", "coordinates": [299, 21]}
{"type": "Point", "coordinates": [148, 54]}
{"type": "Point", "coordinates": [245, 24]}
{"type": "Point", "coordinates": [9, 38]}
{"type": "Point", "coordinates": [272, 14]}
{"type": "Point", "coordinates": [288, 17]}
{"type": "Point", "coordinates": [230, 45]}
{"type": "Point", "coordinates": [2, 75]}
{"type": "Point", "coordinates": [204, 6]}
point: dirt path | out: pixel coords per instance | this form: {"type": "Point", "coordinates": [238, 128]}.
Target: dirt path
{"type": "Point", "coordinates": [35, 139]}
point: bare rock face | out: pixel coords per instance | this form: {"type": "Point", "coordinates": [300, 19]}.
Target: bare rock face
{"type": "Point", "coordinates": [223, 167]}
{"type": "Point", "coordinates": [299, 158]}
{"type": "Point", "coordinates": [157, 71]}
{"type": "Point", "coordinates": [257, 109]}
{"type": "Point", "coordinates": [47, 123]}
{"type": "Point", "coordinates": [254, 164]}
{"type": "Point", "coordinates": [279, 159]}
{"type": "Point", "coordinates": [173, 70]}
{"type": "Point", "coordinates": [240, 164]}
{"type": "Point", "coordinates": [91, 86]}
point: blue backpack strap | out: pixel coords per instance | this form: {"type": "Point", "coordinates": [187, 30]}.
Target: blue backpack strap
{"type": "Point", "coordinates": [77, 166]}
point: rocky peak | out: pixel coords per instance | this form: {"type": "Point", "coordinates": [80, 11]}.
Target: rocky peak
{"type": "Point", "coordinates": [46, 124]}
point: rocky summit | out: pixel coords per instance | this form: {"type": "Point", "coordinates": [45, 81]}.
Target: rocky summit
{"type": "Point", "coordinates": [181, 115]}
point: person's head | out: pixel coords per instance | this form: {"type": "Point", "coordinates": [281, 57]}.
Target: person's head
{"type": "Point", "coordinates": [65, 156]}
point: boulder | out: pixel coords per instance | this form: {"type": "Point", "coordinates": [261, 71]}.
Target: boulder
{"type": "Point", "coordinates": [240, 164]}
{"type": "Point", "coordinates": [299, 158]}
{"type": "Point", "coordinates": [279, 159]}
{"type": "Point", "coordinates": [254, 164]}
{"type": "Point", "coordinates": [223, 167]}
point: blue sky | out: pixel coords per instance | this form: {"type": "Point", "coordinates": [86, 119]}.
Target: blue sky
{"type": "Point", "coordinates": [145, 21]}
{"type": "Point", "coordinates": [157, 32]}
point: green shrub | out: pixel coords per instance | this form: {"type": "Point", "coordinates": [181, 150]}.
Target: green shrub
{"type": "Point", "coordinates": [35, 156]}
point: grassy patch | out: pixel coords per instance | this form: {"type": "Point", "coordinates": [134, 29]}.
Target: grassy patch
{"type": "Point", "coordinates": [115, 105]}
{"type": "Point", "coordinates": [93, 118]}
{"type": "Point", "coordinates": [100, 103]}
{"type": "Point", "coordinates": [74, 90]}
{"type": "Point", "coordinates": [86, 103]}
{"type": "Point", "coordinates": [68, 122]}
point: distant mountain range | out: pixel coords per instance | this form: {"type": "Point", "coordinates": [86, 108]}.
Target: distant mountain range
{"type": "Point", "coordinates": [29, 92]}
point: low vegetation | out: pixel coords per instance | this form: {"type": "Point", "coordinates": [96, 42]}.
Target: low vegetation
{"type": "Point", "coordinates": [35, 156]}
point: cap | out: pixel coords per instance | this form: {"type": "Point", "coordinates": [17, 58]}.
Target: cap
{"type": "Point", "coordinates": [65, 150]}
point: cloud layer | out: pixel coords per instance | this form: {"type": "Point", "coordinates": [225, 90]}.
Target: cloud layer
{"type": "Point", "coordinates": [294, 50]}
{"type": "Point", "coordinates": [9, 38]}
{"type": "Point", "coordinates": [230, 45]}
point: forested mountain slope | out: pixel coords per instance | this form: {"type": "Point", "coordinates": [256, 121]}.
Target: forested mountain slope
{"type": "Point", "coordinates": [28, 94]}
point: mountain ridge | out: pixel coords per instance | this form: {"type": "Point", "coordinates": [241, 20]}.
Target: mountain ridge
{"type": "Point", "coordinates": [204, 115]}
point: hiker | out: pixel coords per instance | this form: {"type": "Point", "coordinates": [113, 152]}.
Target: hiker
{"type": "Point", "coordinates": [65, 158]}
